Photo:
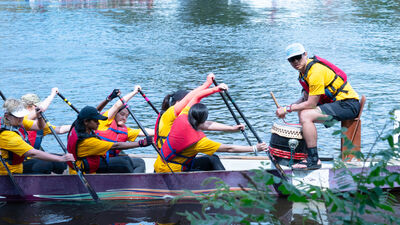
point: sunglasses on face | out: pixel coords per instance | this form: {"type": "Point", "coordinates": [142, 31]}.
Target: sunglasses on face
{"type": "Point", "coordinates": [296, 57]}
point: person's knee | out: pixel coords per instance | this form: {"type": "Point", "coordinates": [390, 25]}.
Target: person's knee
{"type": "Point", "coordinates": [138, 161]}
{"type": "Point", "coordinates": [308, 116]}
{"type": "Point", "coordinates": [139, 165]}
{"type": "Point", "coordinates": [59, 167]}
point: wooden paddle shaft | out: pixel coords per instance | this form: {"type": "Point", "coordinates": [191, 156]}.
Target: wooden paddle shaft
{"type": "Point", "coordinates": [273, 97]}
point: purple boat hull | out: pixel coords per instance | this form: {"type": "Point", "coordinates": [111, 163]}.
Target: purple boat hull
{"type": "Point", "coordinates": [116, 186]}
{"type": "Point", "coordinates": [151, 186]}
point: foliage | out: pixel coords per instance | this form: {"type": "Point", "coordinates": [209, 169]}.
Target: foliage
{"type": "Point", "coordinates": [358, 199]}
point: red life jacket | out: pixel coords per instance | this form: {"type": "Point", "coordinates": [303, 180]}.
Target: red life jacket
{"type": "Point", "coordinates": [14, 159]}
{"type": "Point", "coordinates": [90, 163]}
{"type": "Point", "coordinates": [330, 91]}
{"type": "Point", "coordinates": [181, 136]}
{"type": "Point", "coordinates": [114, 133]}
{"type": "Point", "coordinates": [35, 138]}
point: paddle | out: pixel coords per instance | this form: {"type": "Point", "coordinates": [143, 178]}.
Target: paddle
{"type": "Point", "coordinates": [234, 117]}
{"type": "Point", "coordinates": [144, 132]}
{"type": "Point", "coordinates": [10, 175]}
{"type": "Point", "coordinates": [91, 191]}
{"type": "Point", "coordinates": [271, 158]}
{"type": "Point", "coordinates": [148, 101]}
{"type": "Point", "coordinates": [66, 101]}
{"type": "Point", "coordinates": [2, 96]}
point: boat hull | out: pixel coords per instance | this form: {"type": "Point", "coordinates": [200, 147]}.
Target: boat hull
{"type": "Point", "coordinates": [140, 187]}
{"type": "Point", "coordinates": [160, 186]}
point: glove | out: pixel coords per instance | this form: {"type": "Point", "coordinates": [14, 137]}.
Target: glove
{"type": "Point", "coordinates": [146, 141]}
{"type": "Point", "coordinates": [113, 95]}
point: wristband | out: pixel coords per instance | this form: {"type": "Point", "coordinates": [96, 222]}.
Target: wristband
{"type": "Point", "coordinates": [141, 143]}
{"type": "Point", "coordinates": [289, 108]}
{"type": "Point", "coordinates": [255, 149]}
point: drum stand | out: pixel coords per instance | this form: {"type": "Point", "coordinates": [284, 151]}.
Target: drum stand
{"type": "Point", "coordinates": [293, 143]}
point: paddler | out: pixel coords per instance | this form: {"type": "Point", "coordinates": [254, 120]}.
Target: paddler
{"type": "Point", "coordinates": [172, 106]}
{"type": "Point", "coordinates": [89, 150]}
{"type": "Point", "coordinates": [35, 137]}
{"type": "Point", "coordinates": [114, 128]}
{"type": "Point", "coordinates": [13, 141]}
{"type": "Point", "coordinates": [186, 140]}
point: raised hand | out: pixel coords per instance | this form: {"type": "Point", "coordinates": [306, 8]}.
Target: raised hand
{"type": "Point", "coordinates": [223, 87]}
{"type": "Point", "coordinates": [115, 93]}
{"type": "Point", "coordinates": [210, 77]}
{"type": "Point", "coordinates": [137, 88]}
{"type": "Point", "coordinates": [54, 91]}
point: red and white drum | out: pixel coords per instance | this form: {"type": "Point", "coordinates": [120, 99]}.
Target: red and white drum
{"type": "Point", "coordinates": [279, 143]}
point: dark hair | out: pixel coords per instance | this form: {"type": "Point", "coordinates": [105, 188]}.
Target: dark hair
{"type": "Point", "coordinates": [198, 114]}
{"type": "Point", "coordinates": [80, 129]}
{"type": "Point", "coordinates": [171, 99]}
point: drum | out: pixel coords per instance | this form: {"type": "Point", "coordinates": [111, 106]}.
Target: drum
{"type": "Point", "coordinates": [281, 135]}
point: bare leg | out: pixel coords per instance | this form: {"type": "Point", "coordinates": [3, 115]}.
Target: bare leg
{"type": "Point", "coordinates": [308, 118]}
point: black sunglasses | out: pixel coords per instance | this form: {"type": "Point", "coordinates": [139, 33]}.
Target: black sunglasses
{"type": "Point", "coordinates": [296, 57]}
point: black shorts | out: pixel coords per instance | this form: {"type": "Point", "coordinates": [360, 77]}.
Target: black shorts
{"type": "Point", "coordinates": [342, 110]}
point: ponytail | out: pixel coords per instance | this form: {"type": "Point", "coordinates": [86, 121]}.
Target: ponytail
{"type": "Point", "coordinates": [165, 104]}
{"type": "Point", "coordinates": [171, 99]}
{"type": "Point", "coordinates": [198, 114]}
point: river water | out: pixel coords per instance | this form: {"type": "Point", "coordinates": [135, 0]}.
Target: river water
{"type": "Point", "coordinates": [87, 48]}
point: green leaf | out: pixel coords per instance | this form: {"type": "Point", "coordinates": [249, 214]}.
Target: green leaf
{"type": "Point", "coordinates": [385, 207]}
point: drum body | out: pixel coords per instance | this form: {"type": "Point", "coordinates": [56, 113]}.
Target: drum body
{"type": "Point", "coordinates": [279, 143]}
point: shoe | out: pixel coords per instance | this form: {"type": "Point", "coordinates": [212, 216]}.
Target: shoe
{"type": "Point", "coordinates": [312, 161]}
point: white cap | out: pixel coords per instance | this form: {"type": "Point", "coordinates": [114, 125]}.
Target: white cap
{"type": "Point", "coordinates": [15, 108]}
{"type": "Point", "coordinates": [19, 112]}
{"type": "Point", "coordinates": [294, 49]}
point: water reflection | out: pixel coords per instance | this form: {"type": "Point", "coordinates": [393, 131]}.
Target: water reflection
{"type": "Point", "coordinates": [41, 5]}
{"type": "Point", "coordinates": [114, 212]}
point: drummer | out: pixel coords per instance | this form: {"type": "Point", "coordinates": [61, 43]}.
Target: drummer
{"type": "Point", "coordinates": [13, 146]}
{"type": "Point", "coordinates": [327, 97]}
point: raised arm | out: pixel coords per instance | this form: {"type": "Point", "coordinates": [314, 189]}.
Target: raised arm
{"type": "Point", "coordinates": [103, 104]}
{"type": "Point", "coordinates": [44, 105]}
{"type": "Point", "coordinates": [204, 93]}
{"type": "Point", "coordinates": [179, 106]}
{"type": "Point", "coordinates": [114, 109]}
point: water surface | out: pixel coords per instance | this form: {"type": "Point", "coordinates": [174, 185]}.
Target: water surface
{"type": "Point", "coordinates": [88, 48]}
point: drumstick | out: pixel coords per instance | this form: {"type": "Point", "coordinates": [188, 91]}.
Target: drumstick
{"type": "Point", "coordinates": [273, 97]}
